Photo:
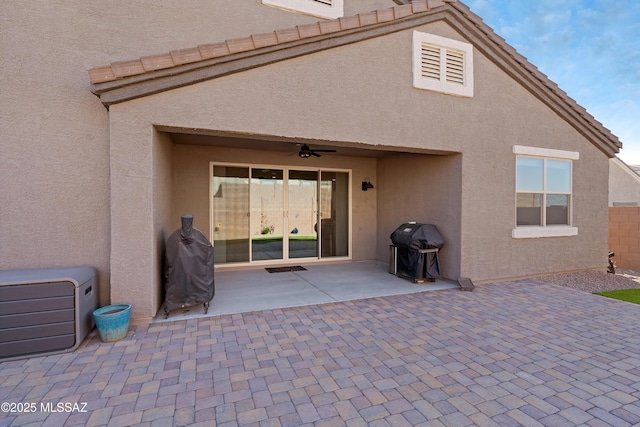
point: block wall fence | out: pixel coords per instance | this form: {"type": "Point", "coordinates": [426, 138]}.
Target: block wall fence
{"type": "Point", "coordinates": [624, 236]}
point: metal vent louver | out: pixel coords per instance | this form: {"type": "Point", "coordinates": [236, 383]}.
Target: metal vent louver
{"type": "Point", "coordinates": [430, 62]}
{"type": "Point", "coordinates": [326, 2]}
{"type": "Point", "coordinates": [454, 67]}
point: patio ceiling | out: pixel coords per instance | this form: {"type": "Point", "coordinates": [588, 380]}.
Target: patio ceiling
{"type": "Point", "coordinates": [289, 145]}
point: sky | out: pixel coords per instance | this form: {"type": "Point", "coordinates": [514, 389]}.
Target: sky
{"type": "Point", "coordinates": [590, 48]}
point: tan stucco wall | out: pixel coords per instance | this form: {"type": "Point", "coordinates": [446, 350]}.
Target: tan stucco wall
{"type": "Point", "coordinates": [362, 94]}
{"type": "Point", "coordinates": [488, 182]}
{"type": "Point", "coordinates": [624, 184]}
{"type": "Point", "coordinates": [87, 186]}
{"type": "Point", "coordinates": [54, 134]}
{"type": "Point", "coordinates": [163, 197]}
{"type": "Point", "coordinates": [425, 189]}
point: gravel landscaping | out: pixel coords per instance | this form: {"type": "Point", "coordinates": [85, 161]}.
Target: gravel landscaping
{"type": "Point", "coordinates": [595, 281]}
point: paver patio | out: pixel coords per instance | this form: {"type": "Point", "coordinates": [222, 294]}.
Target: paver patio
{"type": "Point", "coordinates": [519, 353]}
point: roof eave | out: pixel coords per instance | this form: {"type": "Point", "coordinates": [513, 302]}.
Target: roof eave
{"type": "Point", "coordinates": [520, 69]}
{"type": "Point", "coordinates": [136, 86]}
{"type": "Point", "coordinates": [456, 14]}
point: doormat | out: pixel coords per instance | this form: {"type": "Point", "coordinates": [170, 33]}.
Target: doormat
{"type": "Point", "coordinates": [285, 269]}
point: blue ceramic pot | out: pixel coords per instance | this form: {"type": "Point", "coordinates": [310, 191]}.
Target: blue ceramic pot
{"type": "Point", "coordinates": [112, 321]}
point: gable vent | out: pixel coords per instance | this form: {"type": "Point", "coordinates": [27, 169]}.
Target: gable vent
{"type": "Point", "coordinates": [442, 65]}
{"type": "Point", "coordinates": [433, 57]}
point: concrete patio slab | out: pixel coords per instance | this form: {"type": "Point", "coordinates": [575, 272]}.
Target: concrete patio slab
{"type": "Point", "coordinates": [255, 290]}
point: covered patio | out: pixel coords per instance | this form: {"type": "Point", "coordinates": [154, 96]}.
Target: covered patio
{"type": "Point", "coordinates": [249, 290]}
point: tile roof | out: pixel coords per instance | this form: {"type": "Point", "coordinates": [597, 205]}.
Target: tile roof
{"type": "Point", "coordinates": [124, 80]}
{"type": "Point", "coordinates": [149, 64]}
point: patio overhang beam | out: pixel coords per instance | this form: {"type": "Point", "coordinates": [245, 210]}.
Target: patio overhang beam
{"type": "Point", "coordinates": [220, 138]}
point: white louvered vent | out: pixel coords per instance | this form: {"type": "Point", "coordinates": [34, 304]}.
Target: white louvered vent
{"type": "Point", "coordinates": [442, 64]}
{"type": "Point", "coordinates": [430, 62]}
{"type": "Point", "coordinates": [327, 2]}
{"type": "Point", "coordinates": [454, 72]}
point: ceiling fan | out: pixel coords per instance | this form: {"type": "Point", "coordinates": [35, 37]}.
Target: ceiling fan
{"type": "Point", "coordinates": [305, 152]}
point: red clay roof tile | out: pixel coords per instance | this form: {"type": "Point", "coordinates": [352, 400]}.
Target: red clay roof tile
{"type": "Point", "coordinates": [385, 15]}
{"type": "Point", "coordinates": [185, 56]}
{"type": "Point", "coordinates": [213, 50]}
{"type": "Point", "coordinates": [420, 6]}
{"type": "Point", "coordinates": [101, 74]}
{"type": "Point", "coordinates": [327, 27]}
{"type": "Point", "coordinates": [368, 18]}
{"type": "Point", "coordinates": [287, 35]}
{"type": "Point", "coordinates": [157, 62]}
{"type": "Point", "coordinates": [264, 40]}
{"type": "Point", "coordinates": [240, 45]}
{"type": "Point", "coordinates": [432, 4]}
{"type": "Point", "coordinates": [309, 30]}
{"type": "Point", "coordinates": [402, 11]}
{"type": "Point", "coordinates": [127, 68]}
{"type": "Point", "coordinates": [349, 22]}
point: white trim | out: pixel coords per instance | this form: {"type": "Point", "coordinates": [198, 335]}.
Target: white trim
{"type": "Point", "coordinates": [460, 81]}
{"type": "Point", "coordinates": [311, 7]}
{"type": "Point", "coordinates": [545, 152]}
{"type": "Point", "coordinates": [532, 232]}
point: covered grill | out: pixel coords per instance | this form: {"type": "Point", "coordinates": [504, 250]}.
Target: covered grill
{"type": "Point", "coordinates": [414, 253]}
{"type": "Point", "coordinates": [189, 268]}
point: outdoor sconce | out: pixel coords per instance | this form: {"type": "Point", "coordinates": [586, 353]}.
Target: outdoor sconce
{"type": "Point", "coordinates": [366, 184]}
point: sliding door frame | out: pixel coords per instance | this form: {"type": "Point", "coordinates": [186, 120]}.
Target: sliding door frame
{"type": "Point", "coordinates": [285, 168]}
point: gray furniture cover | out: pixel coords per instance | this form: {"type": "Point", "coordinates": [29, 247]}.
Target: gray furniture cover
{"type": "Point", "coordinates": [189, 268]}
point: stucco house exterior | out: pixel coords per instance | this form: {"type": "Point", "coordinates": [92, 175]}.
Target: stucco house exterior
{"type": "Point", "coordinates": [118, 118]}
{"type": "Point", "coordinates": [624, 183]}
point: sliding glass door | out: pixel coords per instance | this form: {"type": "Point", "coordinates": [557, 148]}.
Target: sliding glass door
{"type": "Point", "coordinates": [273, 214]}
{"type": "Point", "coordinates": [303, 214]}
{"type": "Point", "coordinates": [267, 214]}
{"type": "Point", "coordinates": [334, 216]}
{"type": "Point", "coordinates": [230, 211]}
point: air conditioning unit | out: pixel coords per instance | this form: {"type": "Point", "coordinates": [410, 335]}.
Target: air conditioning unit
{"type": "Point", "coordinates": [46, 311]}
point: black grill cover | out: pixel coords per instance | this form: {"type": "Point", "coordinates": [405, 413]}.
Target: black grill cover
{"type": "Point", "coordinates": [413, 235]}
{"type": "Point", "coordinates": [189, 267]}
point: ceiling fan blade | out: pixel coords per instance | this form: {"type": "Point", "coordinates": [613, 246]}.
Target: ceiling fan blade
{"type": "Point", "coordinates": [305, 151]}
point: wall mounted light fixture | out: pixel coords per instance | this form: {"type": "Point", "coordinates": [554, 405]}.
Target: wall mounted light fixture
{"type": "Point", "coordinates": [366, 184]}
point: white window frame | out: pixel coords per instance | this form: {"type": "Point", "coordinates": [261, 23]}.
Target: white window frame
{"type": "Point", "coordinates": [329, 9]}
{"type": "Point", "coordinates": [444, 79]}
{"type": "Point", "coordinates": [535, 231]}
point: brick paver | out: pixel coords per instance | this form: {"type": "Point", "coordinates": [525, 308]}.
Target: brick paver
{"type": "Point", "coordinates": [512, 353]}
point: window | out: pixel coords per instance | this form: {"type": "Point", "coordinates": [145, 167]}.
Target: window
{"type": "Point", "coordinates": [442, 65]}
{"type": "Point", "coordinates": [330, 9]}
{"type": "Point", "coordinates": [543, 192]}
